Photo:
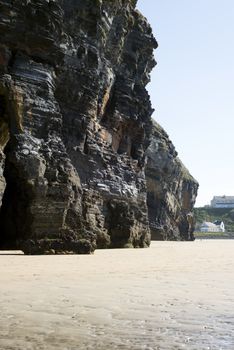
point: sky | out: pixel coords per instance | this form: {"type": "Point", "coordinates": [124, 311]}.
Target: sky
{"type": "Point", "coordinates": [192, 86]}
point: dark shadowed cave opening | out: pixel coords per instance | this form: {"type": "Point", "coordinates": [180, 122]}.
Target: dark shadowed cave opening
{"type": "Point", "coordinates": [15, 202]}
{"type": "Point", "coordinates": [14, 215]}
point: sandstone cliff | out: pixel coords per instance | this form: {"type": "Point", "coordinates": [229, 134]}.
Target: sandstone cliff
{"type": "Point", "coordinates": [171, 190]}
{"type": "Point", "coordinates": [75, 123]}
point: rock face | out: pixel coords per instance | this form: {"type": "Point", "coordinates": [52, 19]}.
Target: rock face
{"type": "Point", "coordinates": [171, 191]}
{"type": "Point", "coordinates": [74, 124]}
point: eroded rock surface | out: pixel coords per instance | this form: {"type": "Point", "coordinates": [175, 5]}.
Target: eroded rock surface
{"type": "Point", "coordinates": [74, 124]}
{"type": "Point", "coordinates": [171, 190]}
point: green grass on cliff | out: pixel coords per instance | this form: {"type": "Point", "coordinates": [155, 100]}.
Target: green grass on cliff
{"type": "Point", "coordinates": [212, 214]}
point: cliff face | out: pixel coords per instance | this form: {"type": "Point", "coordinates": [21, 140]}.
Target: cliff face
{"type": "Point", "coordinates": [74, 124]}
{"type": "Point", "coordinates": [171, 190]}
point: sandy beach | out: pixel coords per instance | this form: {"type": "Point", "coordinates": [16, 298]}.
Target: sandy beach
{"type": "Point", "coordinates": [170, 296]}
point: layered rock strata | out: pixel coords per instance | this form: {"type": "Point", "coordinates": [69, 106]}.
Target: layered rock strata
{"type": "Point", "coordinates": [74, 125]}
{"type": "Point", "coordinates": [171, 190]}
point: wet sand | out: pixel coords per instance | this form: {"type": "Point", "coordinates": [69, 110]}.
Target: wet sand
{"type": "Point", "coordinates": [170, 296]}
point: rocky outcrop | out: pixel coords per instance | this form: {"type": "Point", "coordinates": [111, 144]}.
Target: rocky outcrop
{"type": "Point", "coordinates": [74, 125]}
{"type": "Point", "coordinates": [171, 191]}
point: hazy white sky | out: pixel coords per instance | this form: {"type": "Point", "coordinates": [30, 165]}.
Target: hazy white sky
{"type": "Point", "coordinates": [192, 88]}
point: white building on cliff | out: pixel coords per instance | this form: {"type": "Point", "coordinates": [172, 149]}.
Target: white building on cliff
{"type": "Point", "coordinates": [222, 202]}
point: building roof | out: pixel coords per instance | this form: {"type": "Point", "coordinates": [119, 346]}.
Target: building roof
{"type": "Point", "coordinates": [208, 224]}
{"type": "Point", "coordinates": [225, 199]}
{"type": "Point", "coordinates": [218, 222]}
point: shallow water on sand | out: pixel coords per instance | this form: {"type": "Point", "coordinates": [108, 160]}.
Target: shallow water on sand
{"type": "Point", "coordinates": [171, 296]}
